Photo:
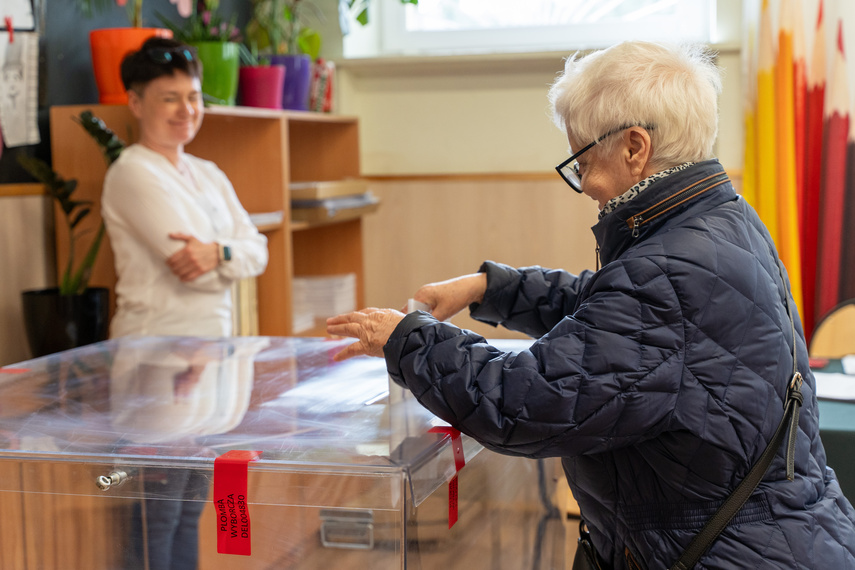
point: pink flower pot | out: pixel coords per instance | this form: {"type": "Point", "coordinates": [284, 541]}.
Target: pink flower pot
{"type": "Point", "coordinates": [261, 86]}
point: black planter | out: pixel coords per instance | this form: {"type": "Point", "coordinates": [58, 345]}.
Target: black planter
{"type": "Point", "coordinates": [57, 322]}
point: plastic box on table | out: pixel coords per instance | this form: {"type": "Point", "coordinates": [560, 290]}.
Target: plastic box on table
{"type": "Point", "coordinates": [107, 460]}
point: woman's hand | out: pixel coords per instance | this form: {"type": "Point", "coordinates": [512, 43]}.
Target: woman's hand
{"type": "Point", "coordinates": [447, 298]}
{"type": "Point", "coordinates": [193, 260]}
{"type": "Point", "coordinates": [372, 327]}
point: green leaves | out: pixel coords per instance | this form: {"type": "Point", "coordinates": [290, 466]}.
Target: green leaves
{"type": "Point", "coordinates": [309, 42]}
{"type": "Point", "coordinates": [360, 7]}
{"type": "Point", "coordinates": [90, 8]}
{"type": "Point", "coordinates": [110, 144]}
{"type": "Point", "coordinates": [75, 281]}
{"type": "Point", "coordinates": [279, 27]}
{"type": "Point", "coordinates": [57, 187]}
{"type": "Point", "coordinates": [75, 211]}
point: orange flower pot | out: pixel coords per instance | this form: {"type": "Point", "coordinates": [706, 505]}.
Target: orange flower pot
{"type": "Point", "coordinates": [109, 47]}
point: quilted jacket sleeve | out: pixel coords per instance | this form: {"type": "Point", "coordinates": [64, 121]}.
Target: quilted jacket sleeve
{"type": "Point", "coordinates": [530, 300]}
{"type": "Point", "coordinates": [604, 377]}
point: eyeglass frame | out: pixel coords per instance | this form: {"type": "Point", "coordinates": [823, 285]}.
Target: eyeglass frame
{"type": "Point", "coordinates": [576, 182]}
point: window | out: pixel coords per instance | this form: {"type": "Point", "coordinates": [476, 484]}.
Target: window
{"type": "Point", "coordinates": [439, 27]}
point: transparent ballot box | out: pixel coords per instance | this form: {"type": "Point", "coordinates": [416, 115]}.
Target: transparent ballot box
{"type": "Point", "coordinates": [113, 456]}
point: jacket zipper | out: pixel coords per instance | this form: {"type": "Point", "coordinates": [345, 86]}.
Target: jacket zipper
{"type": "Point", "coordinates": [696, 189]}
{"type": "Point", "coordinates": [631, 562]}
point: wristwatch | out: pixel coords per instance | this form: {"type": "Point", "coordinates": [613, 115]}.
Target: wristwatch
{"type": "Point", "coordinates": [225, 253]}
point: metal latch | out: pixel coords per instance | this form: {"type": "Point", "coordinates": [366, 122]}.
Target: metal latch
{"type": "Point", "coordinates": [114, 479]}
{"type": "Point", "coordinates": [353, 529]}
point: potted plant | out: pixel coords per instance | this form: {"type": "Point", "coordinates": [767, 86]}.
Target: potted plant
{"type": "Point", "coordinates": [110, 45]}
{"type": "Point", "coordinates": [217, 42]}
{"type": "Point", "coordinates": [279, 29]}
{"type": "Point", "coordinates": [260, 82]}
{"type": "Point", "coordinates": [72, 314]}
{"type": "Point", "coordinates": [282, 30]}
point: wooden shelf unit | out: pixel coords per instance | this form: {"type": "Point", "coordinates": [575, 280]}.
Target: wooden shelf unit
{"type": "Point", "coordinates": [261, 151]}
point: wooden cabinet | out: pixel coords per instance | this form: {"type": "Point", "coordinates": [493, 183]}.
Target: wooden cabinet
{"type": "Point", "coordinates": [261, 151]}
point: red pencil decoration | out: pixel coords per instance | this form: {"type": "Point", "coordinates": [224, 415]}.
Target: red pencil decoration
{"type": "Point", "coordinates": [847, 237]}
{"type": "Point", "coordinates": [833, 183]}
{"type": "Point", "coordinates": [813, 173]}
{"type": "Point", "coordinates": [799, 103]}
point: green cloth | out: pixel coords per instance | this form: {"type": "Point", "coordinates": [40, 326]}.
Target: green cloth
{"type": "Point", "coordinates": [837, 430]}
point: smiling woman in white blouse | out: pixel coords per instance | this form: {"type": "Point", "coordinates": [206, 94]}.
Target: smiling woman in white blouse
{"type": "Point", "coordinates": [180, 237]}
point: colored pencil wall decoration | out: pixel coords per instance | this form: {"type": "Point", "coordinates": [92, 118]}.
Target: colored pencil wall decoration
{"type": "Point", "coordinates": [809, 205]}
{"type": "Point", "coordinates": [847, 241]}
{"type": "Point", "coordinates": [799, 170]}
{"type": "Point", "coordinates": [799, 103]}
{"type": "Point", "coordinates": [833, 183]}
{"type": "Point", "coordinates": [767, 152]}
{"type": "Point", "coordinates": [787, 239]}
{"type": "Point", "coordinates": [749, 78]}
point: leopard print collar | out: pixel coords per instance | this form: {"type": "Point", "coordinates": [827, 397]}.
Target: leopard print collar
{"type": "Point", "coordinates": [638, 188]}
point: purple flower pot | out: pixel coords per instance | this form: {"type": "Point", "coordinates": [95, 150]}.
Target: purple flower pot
{"type": "Point", "coordinates": [298, 80]}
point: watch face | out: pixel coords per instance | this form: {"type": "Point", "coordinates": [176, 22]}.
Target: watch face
{"type": "Point", "coordinates": [227, 253]}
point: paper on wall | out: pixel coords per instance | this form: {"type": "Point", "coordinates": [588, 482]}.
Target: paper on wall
{"type": "Point", "coordinates": [20, 13]}
{"type": "Point", "coordinates": [19, 69]}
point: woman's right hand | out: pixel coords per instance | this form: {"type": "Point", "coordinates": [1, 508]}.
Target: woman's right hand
{"type": "Point", "coordinates": [447, 298]}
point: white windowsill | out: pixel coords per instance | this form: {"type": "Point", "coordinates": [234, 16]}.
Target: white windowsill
{"type": "Point", "coordinates": [523, 62]}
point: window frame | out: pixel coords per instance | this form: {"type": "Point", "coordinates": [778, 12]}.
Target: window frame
{"type": "Point", "coordinates": [695, 20]}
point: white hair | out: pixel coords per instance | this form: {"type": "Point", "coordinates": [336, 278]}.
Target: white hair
{"type": "Point", "coordinates": [673, 88]}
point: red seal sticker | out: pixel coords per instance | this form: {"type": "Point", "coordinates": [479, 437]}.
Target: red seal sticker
{"type": "Point", "coordinates": [459, 462]}
{"type": "Point", "coordinates": [230, 502]}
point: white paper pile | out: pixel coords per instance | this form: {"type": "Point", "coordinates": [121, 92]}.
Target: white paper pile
{"type": "Point", "coordinates": [301, 320]}
{"type": "Point", "coordinates": [319, 297]}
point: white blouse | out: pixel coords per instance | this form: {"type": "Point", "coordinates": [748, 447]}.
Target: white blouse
{"type": "Point", "coordinates": [146, 198]}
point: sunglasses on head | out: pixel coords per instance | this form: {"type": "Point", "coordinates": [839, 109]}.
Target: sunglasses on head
{"type": "Point", "coordinates": [167, 55]}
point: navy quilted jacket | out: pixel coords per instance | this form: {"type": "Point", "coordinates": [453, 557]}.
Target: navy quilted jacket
{"type": "Point", "coordinates": [658, 380]}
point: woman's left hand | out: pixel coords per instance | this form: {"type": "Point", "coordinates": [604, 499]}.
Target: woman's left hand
{"type": "Point", "coordinates": [372, 327]}
{"type": "Point", "coordinates": [193, 260]}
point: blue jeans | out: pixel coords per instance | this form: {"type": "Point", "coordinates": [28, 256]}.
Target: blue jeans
{"type": "Point", "coordinates": [170, 516]}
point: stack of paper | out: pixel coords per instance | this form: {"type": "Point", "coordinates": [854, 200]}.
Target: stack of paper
{"type": "Point", "coordinates": [325, 201]}
{"type": "Point", "coordinates": [323, 296]}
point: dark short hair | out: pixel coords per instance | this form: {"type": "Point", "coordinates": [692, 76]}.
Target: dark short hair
{"type": "Point", "coordinates": [158, 57]}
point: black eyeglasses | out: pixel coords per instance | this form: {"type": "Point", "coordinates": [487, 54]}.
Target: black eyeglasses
{"type": "Point", "coordinates": [166, 55]}
{"type": "Point", "coordinates": [569, 169]}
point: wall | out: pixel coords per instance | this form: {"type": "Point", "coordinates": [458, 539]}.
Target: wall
{"type": "Point", "coordinates": [26, 262]}
{"type": "Point", "coordinates": [470, 114]}
{"type": "Point", "coordinates": [429, 230]}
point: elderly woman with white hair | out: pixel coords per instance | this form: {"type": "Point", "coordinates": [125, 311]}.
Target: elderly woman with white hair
{"type": "Point", "coordinates": [666, 380]}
